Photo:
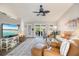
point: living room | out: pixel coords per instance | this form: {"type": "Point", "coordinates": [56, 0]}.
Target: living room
{"type": "Point", "coordinates": [39, 29]}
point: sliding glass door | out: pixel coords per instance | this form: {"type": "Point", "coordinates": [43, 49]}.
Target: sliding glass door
{"type": "Point", "coordinates": [39, 29]}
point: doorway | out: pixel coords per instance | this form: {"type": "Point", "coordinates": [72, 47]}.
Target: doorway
{"type": "Point", "coordinates": [39, 29]}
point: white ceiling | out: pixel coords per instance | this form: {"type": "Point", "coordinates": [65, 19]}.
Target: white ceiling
{"type": "Point", "coordinates": [25, 11]}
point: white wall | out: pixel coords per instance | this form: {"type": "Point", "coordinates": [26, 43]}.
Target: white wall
{"type": "Point", "coordinates": [10, 18]}
{"type": "Point", "coordinates": [72, 13]}
{"type": "Point", "coordinates": [6, 9]}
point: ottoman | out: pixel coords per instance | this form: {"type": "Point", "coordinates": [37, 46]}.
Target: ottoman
{"type": "Point", "coordinates": [38, 50]}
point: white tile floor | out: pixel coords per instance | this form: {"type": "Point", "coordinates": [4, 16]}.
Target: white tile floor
{"type": "Point", "coordinates": [24, 49]}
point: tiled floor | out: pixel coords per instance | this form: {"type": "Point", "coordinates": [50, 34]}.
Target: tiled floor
{"type": "Point", "coordinates": [24, 49]}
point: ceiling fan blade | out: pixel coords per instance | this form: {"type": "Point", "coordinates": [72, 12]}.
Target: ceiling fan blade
{"type": "Point", "coordinates": [35, 12]}
{"type": "Point", "coordinates": [47, 11]}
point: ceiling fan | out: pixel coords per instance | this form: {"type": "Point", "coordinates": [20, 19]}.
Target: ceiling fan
{"type": "Point", "coordinates": [41, 11]}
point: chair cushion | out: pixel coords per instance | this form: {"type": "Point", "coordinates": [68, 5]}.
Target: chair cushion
{"type": "Point", "coordinates": [52, 52]}
{"type": "Point", "coordinates": [55, 44]}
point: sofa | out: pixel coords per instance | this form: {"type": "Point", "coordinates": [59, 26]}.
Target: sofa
{"type": "Point", "coordinates": [73, 50]}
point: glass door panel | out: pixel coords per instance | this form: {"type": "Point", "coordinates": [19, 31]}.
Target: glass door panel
{"type": "Point", "coordinates": [39, 30]}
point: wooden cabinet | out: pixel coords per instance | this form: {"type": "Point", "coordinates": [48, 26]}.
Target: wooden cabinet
{"type": "Point", "coordinates": [8, 43]}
